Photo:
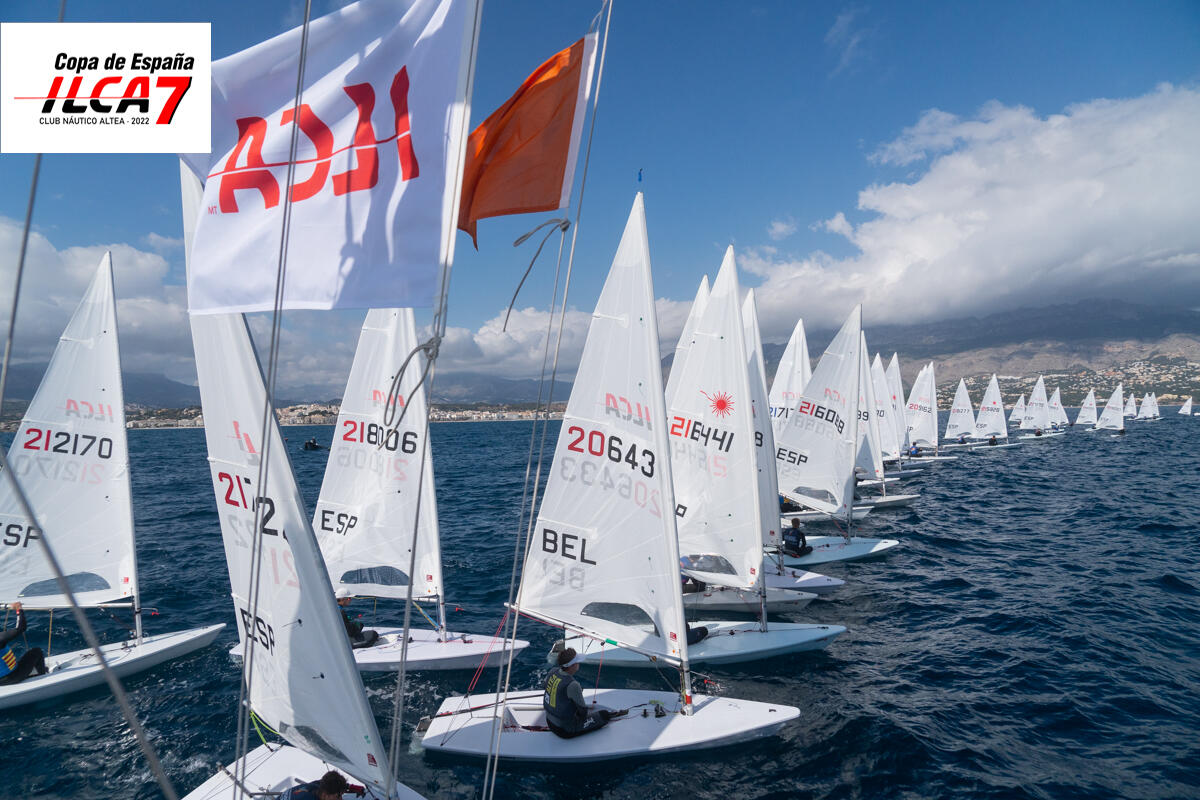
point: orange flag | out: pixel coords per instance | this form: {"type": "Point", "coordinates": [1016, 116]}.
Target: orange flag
{"type": "Point", "coordinates": [521, 159]}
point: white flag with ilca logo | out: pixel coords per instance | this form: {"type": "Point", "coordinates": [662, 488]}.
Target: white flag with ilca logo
{"type": "Point", "coordinates": [380, 135]}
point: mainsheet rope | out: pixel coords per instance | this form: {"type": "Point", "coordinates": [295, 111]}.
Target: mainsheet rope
{"type": "Point", "coordinates": [493, 758]}
{"type": "Point", "coordinates": [89, 635]}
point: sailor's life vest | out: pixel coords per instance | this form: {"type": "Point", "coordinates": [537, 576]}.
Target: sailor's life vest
{"type": "Point", "coordinates": [560, 710]}
{"type": "Point", "coordinates": [8, 661]}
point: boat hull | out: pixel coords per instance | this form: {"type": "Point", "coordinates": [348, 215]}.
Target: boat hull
{"type": "Point", "coordinates": [272, 769]}
{"type": "Point", "coordinates": [797, 580]}
{"type": "Point", "coordinates": [723, 598]}
{"type": "Point", "coordinates": [818, 516]}
{"type": "Point", "coordinates": [425, 652]}
{"type": "Point", "coordinates": [827, 549]}
{"type": "Point", "coordinates": [890, 501]}
{"type": "Point", "coordinates": [79, 670]}
{"type": "Point", "coordinates": [715, 722]}
{"type": "Point", "coordinates": [726, 643]}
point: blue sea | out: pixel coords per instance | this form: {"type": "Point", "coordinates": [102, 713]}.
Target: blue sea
{"type": "Point", "coordinates": [1036, 636]}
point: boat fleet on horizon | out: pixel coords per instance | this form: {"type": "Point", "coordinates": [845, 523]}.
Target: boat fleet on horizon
{"type": "Point", "coordinates": [665, 509]}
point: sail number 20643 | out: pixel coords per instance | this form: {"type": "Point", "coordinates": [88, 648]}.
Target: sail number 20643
{"type": "Point", "coordinates": [600, 444]}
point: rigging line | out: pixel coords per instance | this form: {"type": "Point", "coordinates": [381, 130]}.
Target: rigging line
{"type": "Point", "coordinates": [81, 619]}
{"type": "Point", "coordinates": [562, 225]}
{"type": "Point", "coordinates": [504, 674]}
{"type": "Point", "coordinates": [494, 763]}
{"type": "Point", "coordinates": [431, 347]}
{"type": "Point", "coordinates": [243, 733]}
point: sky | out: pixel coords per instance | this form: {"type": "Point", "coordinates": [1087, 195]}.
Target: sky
{"type": "Point", "coordinates": [931, 161]}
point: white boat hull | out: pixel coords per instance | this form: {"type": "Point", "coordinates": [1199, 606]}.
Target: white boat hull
{"type": "Point", "coordinates": [272, 769]}
{"type": "Point", "coordinates": [464, 726]}
{"type": "Point", "coordinates": [425, 652]}
{"type": "Point", "coordinates": [79, 669]}
{"type": "Point", "coordinates": [798, 580]}
{"type": "Point", "coordinates": [905, 474]}
{"type": "Point", "coordinates": [877, 482]}
{"type": "Point", "coordinates": [726, 643]}
{"type": "Point", "coordinates": [827, 549]}
{"type": "Point", "coordinates": [818, 516]}
{"type": "Point", "coordinates": [723, 598]}
{"type": "Point", "coordinates": [1046, 435]}
{"type": "Point", "coordinates": [914, 460]}
{"type": "Point", "coordinates": [985, 447]}
{"type": "Point", "coordinates": [888, 501]}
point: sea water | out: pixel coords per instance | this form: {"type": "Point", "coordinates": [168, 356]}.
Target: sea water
{"type": "Point", "coordinates": [1037, 634]}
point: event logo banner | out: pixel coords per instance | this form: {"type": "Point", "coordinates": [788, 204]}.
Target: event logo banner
{"type": "Point", "coordinates": [87, 87]}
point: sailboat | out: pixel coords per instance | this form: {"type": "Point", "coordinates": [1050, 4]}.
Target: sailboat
{"type": "Point", "coordinates": [71, 457]}
{"type": "Point", "coordinates": [990, 424]}
{"type": "Point", "coordinates": [1087, 411]}
{"type": "Point", "coordinates": [1186, 408]}
{"type": "Point", "coordinates": [1018, 411]}
{"type": "Point", "coordinates": [1058, 416]}
{"type": "Point", "coordinates": [960, 425]}
{"type": "Point", "coordinates": [869, 465]}
{"type": "Point", "coordinates": [780, 587]}
{"type": "Point", "coordinates": [721, 514]}
{"type": "Point", "coordinates": [792, 374]}
{"type": "Point", "coordinates": [1149, 409]}
{"type": "Point", "coordinates": [1113, 416]}
{"type": "Point", "coordinates": [604, 561]}
{"type": "Point", "coordinates": [815, 452]}
{"type": "Point", "coordinates": [921, 416]}
{"type": "Point", "coordinates": [367, 511]}
{"type": "Point", "coordinates": [301, 679]}
{"type": "Point", "coordinates": [1037, 414]}
{"type": "Point", "coordinates": [1131, 410]}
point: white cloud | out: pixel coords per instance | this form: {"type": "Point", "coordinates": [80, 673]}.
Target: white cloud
{"type": "Point", "coordinates": [781, 228]}
{"type": "Point", "coordinates": [1011, 210]}
{"type": "Point", "coordinates": [846, 39]}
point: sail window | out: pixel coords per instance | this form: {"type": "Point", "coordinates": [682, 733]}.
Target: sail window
{"type": "Point", "coordinates": [78, 581]}
{"type": "Point", "coordinates": [630, 616]}
{"type": "Point", "coordinates": [379, 576]}
{"type": "Point", "coordinates": [718, 565]}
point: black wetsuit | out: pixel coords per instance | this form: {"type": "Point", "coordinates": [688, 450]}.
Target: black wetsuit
{"type": "Point", "coordinates": [12, 669]}
{"type": "Point", "coordinates": [566, 713]}
{"type": "Point", "coordinates": [358, 636]}
{"type": "Point", "coordinates": [795, 543]}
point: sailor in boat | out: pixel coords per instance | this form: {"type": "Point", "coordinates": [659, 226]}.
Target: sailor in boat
{"type": "Point", "coordinates": [992, 441]}
{"type": "Point", "coordinates": [692, 585]}
{"type": "Point", "coordinates": [962, 438]}
{"type": "Point", "coordinates": [1037, 432]}
{"type": "Point", "coordinates": [354, 629]}
{"type": "Point", "coordinates": [331, 787]}
{"type": "Point", "coordinates": [786, 506]}
{"type": "Point", "coordinates": [12, 669]}
{"type": "Point", "coordinates": [794, 541]}
{"type": "Point", "coordinates": [311, 444]}
{"type": "Point", "coordinates": [914, 451]}
{"type": "Point", "coordinates": [567, 715]}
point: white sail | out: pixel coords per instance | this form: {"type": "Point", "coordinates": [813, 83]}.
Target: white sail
{"type": "Point", "coordinates": [685, 338]}
{"type": "Point", "coordinates": [72, 460]}
{"type": "Point", "coordinates": [1037, 410]}
{"type": "Point", "coordinates": [962, 414]}
{"type": "Point", "coordinates": [303, 682]}
{"type": "Point", "coordinates": [990, 421]}
{"type": "Point", "coordinates": [605, 556]}
{"type": "Point", "coordinates": [922, 409]}
{"type": "Point", "coordinates": [1018, 412]}
{"type": "Point", "coordinates": [713, 452]}
{"type": "Point", "coordinates": [816, 448]}
{"type": "Point", "coordinates": [1058, 415]}
{"type": "Point", "coordinates": [1087, 411]}
{"type": "Point", "coordinates": [764, 436]}
{"type": "Point", "coordinates": [368, 505]}
{"type": "Point", "coordinates": [792, 374]}
{"type": "Point", "coordinates": [870, 450]}
{"type": "Point", "coordinates": [1113, 416]}
{"type": "Point", "coordinates": [896, 386]}
{"type": "Point", "coordinates": [1186, 408]}
{"type": "Point", "coordinates": [889, 427]}
{"type": "Point", "coordinates": [1149, 409]}
{"type": "Point", "coordinates": [1131, 406]}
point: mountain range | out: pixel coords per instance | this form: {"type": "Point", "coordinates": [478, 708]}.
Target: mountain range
{"type": "Point", "coordinates": [1089, 334]}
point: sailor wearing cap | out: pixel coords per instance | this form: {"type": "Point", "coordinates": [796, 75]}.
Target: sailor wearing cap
{"type": "Point", "coordinates": [566, 713]}
{"type": "Point", "coordinates": [354, 629]}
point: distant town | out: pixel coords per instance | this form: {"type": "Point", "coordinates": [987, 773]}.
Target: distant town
{"type": "Point", "coordinates": [326, 414]}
